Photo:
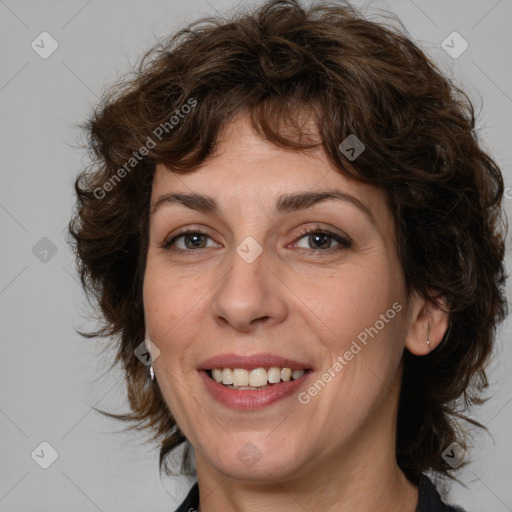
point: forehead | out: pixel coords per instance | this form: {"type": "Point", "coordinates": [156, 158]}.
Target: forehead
{"type": "Point", "coordinates": [247, 169]}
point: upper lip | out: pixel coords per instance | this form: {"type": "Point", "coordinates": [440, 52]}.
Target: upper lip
{"type": "Point", "coordinates": [251, 361]}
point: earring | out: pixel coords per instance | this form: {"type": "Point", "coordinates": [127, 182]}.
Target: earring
{"type": "Point", "coordinates": [151, 371]}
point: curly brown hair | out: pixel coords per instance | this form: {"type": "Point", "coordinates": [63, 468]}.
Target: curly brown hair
{"type": "Point", "coordinates": [354, 76]}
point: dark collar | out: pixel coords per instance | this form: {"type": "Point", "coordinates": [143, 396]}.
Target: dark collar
{"type": "Point", "coordinates": [191, 501]}
{"type": "Point", "coordinates": [428, 499]}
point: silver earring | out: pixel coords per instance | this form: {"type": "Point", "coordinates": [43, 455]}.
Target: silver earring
{"type": "Point", "coordinates": [151, 371]}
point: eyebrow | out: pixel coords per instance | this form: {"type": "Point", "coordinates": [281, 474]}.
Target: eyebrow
{"type": "Point", "coordinates": [285, 203]}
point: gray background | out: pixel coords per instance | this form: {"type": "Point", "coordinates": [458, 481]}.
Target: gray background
{"type": "Point", "coordinates": [50, 376]}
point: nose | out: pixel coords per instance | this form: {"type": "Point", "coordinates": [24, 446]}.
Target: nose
{"type": "Point", "coordinates": [250, 295]}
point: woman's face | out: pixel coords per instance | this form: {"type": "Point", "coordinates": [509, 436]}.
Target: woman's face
{"type": "Point", "coordinates": [252, 289]}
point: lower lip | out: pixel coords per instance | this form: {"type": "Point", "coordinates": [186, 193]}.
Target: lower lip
{"type": "Point", "coordinates": [251, 399]}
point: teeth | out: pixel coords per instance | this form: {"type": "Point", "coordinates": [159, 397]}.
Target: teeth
{"type": "Point", "coordinates": [274, 375]}
{"type": "Point", "coordinates": [241, 377]}
{"type": "Point", "coordinates": [227, 376]}
{"type": "Point", "coordinates": [246, 388]}
{"type": "Point", "coordinates": [286, 374]}
{"type": "Point", "coordinates": [258, 378]}
{"type": "Point", "coordinates": [297, 374]}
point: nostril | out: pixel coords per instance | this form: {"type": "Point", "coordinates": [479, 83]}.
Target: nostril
{"type": "Point", "coordinates": [262, 319]}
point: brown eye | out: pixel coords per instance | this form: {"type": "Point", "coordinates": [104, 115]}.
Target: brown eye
{"type": "Point", "coordinates": [191, 240]}
{"type": "Point", "coordinates": [196, 240]}
{"type": "Point", "coordinates": [322, 240]}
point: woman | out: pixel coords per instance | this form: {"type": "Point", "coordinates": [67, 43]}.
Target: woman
{"type": "Point", "coordinates": [289, 221]}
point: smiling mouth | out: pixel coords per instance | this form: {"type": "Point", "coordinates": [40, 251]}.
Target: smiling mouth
{"type": "Point", "coordinates": [256, 379]}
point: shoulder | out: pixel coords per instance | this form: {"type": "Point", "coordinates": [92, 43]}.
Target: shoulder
{"type": "Point", "coordinates": [429, 499]}
{"type": "Point", "coordinates": [191, 502]}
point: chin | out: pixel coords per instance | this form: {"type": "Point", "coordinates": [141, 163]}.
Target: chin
{"type": "Point", "coordinates": [258, 458]}
{"type": "Point", "coordinates": [260, 471]}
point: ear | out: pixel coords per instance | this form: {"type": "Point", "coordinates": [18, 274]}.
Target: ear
{"type": "Point", "coordinates": [428, 324]}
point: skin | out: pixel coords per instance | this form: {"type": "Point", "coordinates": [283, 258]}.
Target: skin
{"type": "Point", "coordinates": [304, 298]}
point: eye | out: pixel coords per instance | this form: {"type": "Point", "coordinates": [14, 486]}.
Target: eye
{"type": "Point", "coordinates": [317, 239]}
{"type": "Point", "coordinates": [192, 240]}
{"type": "Point", "coordinates": [320, 240]}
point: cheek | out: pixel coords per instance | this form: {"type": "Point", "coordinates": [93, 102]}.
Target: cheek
{"type": "Point", "coordinates": [354, 300]}
{"type": "Point", "coordinates": [363, 311]}
{"type": "Point", "coordinates": [169, 299]}
{"type": "Point", "coordinates": [361, 316]}
{"type": "Point", "coordinates": [173, 309]}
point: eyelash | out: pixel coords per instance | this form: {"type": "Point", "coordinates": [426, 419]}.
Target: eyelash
{"type": "Point", "coordinates": [344, 242]}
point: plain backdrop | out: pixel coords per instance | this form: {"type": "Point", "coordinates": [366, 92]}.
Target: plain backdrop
{"type": "Point", "coordinates": [50, 376]}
